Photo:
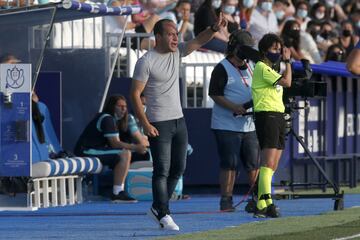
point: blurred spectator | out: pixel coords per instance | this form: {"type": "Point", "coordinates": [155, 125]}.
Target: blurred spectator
{"type": "Point", "coordinates": [326, 38]}
{"type": "Point", "coordinates": [206, 17]}
{"type": "Point", "coordinates": [263, 20]}
{"type": "Point", "coordinates": [347, 38]}
{"type": "Point", "coordinates": [355, 19]}
{"type": "Point", "coordinates": [308, 44]}
{"type": "Point", "coordinates": [279, 9]}
{"type": "Point", "coordinates": [181, 14]}
{"type": "Point", "coordinates": [351, 6]}
{"type": "Point", "coordinates": [246, 7]}
{"type": "Point", "coordinates": [313, 27]}
{"type": "Point", "coordinates": [301, 16]}
{"type": "Point", "coordinates": [291, 37]}
{"type": "Point", "coordinates": [335, 53]}
{"type": "Point", "coordinates": [228, 8]}
{"type": "Point", "coordinates": [335, 11]}
{"type": "Point", "coordinates": [115, 24]}
{"type": "Point", "coordinates": [318, 12]}
{"type": "Point", "coordinates": [15, 3]}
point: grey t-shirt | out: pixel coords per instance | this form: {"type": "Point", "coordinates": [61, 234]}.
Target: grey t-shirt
{"type": "Point", "coordinates": [160, 72]}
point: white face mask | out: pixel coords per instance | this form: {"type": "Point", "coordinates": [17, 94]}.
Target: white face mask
{"type": "Point", "coordinates": [266, 6]}
{"type": "Point", "coordinates": [248, 3]}
{"type": "Point", "coordinates": [229, 9]}
{"type": "Point", "coordinates": [330, 3]}
{"type": "Point", "coordinates": [216, 3]}
{"type": "Point", "coordinates": [302, 13]}
{"type": "Point", "coordinates": [279, 14]}
{"type": "Point", "coordinates": [319, 15]}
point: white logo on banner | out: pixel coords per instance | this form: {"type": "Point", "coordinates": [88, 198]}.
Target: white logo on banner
{"type": "Point", "coordinates": [15, 77]}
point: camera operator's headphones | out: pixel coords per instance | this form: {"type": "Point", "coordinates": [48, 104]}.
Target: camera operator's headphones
{"type": "Point", "coordinates": [239, 38]}
{"type": "Point", "coordinates": [241, 45]}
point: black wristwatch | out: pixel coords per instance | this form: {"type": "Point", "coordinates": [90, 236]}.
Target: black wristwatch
{"type": "Point", "coordinates": [213, 28]}
{"type": "Point", "coordinates": [286, 61]}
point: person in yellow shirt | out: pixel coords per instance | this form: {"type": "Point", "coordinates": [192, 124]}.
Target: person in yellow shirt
{"type": "Point", "coordinates": [267, 92]}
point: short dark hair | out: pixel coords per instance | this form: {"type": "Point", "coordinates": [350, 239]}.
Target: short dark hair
{"type": "Point", "coordinates": [183, 1]}
{"type": "Point", "coordinates": [267, 41]}
{"type": "Point", "coordinates": [159, 26]}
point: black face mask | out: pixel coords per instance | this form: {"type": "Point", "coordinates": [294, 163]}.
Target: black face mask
{"type": "Point", "coordinates": [294, 34]}
{"type": "Point", "coordinates": [346, 33]}
{"type": "Point", "coordinates": [336, 57]}
{"type": "Point", "coordinates": [314, 33]}
{"type": "Point", "coordinates": [325, 35]}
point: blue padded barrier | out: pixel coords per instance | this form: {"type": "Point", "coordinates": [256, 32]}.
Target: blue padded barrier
{"type": "Point", "coordinates": [66, 166]}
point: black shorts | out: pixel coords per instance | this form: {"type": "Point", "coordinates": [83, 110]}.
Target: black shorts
{"type": "Point", "coordinates": [270, 129]}
{"type": "Point", "coordinates": [234, 147]}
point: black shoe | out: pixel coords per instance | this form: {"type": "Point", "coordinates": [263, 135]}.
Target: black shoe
{"type": "Point", "coordinates": [226, 204]}
{"type": "Point", "coordinates": [272, 211]}
{"type": "Point", "coordinates": [122, 197]}
{"type": "Point", "coordinates": [260, 213]}
{"type": "Point", "coordinates": [250, 206]}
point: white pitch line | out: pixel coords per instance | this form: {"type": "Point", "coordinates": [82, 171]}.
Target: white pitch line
{"type": "Point", "coordinates": [349, 237]}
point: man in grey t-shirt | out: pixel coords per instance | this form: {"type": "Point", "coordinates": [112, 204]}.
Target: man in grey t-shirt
{"type": "Point", "coordinates": [157, 74]}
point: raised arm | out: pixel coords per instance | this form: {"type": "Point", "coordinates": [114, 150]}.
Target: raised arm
{"type": "Point", "coordinates": [205, 35]}
{"type": "Point", "coordinates": [285, 81]}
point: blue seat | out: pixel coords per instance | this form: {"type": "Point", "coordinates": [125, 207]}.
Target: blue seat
{"type": "Point", "coordinates": [43, 166]}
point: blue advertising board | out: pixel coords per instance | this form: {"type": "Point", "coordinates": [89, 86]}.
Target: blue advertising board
{"type": "Point", "coordinates": [15, 119]}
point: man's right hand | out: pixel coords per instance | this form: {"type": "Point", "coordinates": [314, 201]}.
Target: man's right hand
{"type": "Point", "coordinates": [151, 131]}
{"type": "Point", "coordinates": [140, 149]}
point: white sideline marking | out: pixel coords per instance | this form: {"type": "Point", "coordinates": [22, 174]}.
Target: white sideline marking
{"type": "Point", "coordinates": [349, 237]}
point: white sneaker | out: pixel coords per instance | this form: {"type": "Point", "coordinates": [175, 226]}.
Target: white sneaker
{"type": "Point", "coordinates": [168, 223]}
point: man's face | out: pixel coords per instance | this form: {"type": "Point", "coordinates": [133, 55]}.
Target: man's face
{"type": "Point", "coordinates": [169, 39]}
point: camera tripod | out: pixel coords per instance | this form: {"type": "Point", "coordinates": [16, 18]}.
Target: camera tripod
{"type": "Point", "coordinates": [337, 196]}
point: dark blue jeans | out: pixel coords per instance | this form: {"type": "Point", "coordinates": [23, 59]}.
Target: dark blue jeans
{"type": "Point", "coordinates": [169, 159]}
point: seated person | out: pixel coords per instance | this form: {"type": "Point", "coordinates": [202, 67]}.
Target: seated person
{"type": "Point", "coordinates": [101, 139]}
{"type": "Point", "coordinates": [129, 131]}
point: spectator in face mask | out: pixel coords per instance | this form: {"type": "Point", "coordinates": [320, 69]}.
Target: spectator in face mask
{"type": "Point", "coordinates": [279, 10]}
{"type": "Point", "coordinates": [335, 53]}
{"type": "Point", "coordinates": [291, 37]}
{"type": "Point", "coordinates": [263, 20]}
{"type": "Point", "coordinates": [318, 12]}
{"type": "Point", "coordinates": [246, 8]}
{"type": "Point", "coordinates": [301, 15]}
{"type": "Point", "coordinates": [347, 38]}
{"type": "Point", "coordinates": [326, 38]}
{"type": "Point", "coordinates": [228, 8]}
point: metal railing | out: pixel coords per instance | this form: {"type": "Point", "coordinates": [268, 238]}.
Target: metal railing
{"type": "Point", "coordinates": [195, 85]}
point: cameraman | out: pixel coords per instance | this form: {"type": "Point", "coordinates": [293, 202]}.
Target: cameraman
{"type": "Point", "coordinates": [267, 92]}
{"type": "Point", "coordinates": [230, 88]}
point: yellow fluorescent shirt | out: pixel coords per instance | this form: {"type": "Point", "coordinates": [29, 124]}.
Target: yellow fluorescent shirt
{"type": "Point", "coordinates": [267, 95]}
